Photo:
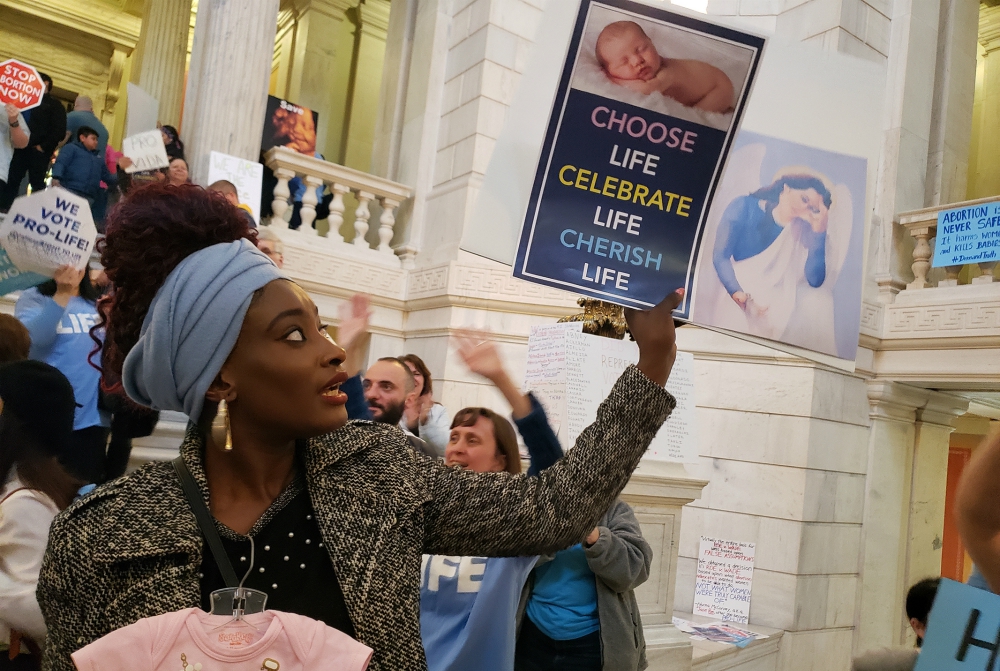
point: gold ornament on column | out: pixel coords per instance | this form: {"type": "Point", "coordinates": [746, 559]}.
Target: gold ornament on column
{"type": "Point", "coordinates": [600, 318]}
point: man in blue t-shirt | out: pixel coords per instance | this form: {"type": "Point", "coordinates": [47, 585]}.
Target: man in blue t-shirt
{"type": "Point", "coordinates": [83, 115]}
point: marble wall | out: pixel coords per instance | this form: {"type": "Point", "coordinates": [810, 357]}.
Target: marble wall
{"type": "Point", "coordinates": [785, 448]}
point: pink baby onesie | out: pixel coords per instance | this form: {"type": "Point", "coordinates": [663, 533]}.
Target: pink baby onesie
{"type": "Point", "coordinates": [189, 640]}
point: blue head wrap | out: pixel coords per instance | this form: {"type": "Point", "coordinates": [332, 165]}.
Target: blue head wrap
{"type": "Point", "coordinates": [192, 326]}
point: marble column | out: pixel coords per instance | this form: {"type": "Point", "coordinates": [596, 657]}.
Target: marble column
{"type": "Point", "coordinates": [902, 169]}
{"type": "Point", "coordinates": [228, 80]}
{"type": "Point", "coordinates": [315, 67]}
{"type": "Point", "coordinates": [904, 499]}
{"type": "Point", "coordinates": [932, 436]}
{"type": "Point", "coordinates": [159, 63]}
{"type": "Point", "coordinates": [984, 173]}
{"type": "Point", "coordinates": [954, 93]}
{"type": "Point", "coordinates": [884, 529]}
{"type": "Point", "coordinates": [373, 22]}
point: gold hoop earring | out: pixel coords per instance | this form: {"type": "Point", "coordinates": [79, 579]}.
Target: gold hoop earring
{"type": "Point", "coordinates": [221, 433]}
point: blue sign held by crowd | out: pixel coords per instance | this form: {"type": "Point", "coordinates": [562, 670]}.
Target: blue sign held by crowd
{"type": "Point", "coordinates": [13, 279]}
{"type": "Point", "coordinates": [963, 631]}
{"type": "Point", "coordinates": [968, 235]}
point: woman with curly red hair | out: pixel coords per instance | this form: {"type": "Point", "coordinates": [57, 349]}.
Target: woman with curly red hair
{"type": "Point", "coordinates": [339, 512]}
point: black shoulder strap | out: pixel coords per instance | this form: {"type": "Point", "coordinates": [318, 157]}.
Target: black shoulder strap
{"type": "Point", "coordinates": [205, 521]}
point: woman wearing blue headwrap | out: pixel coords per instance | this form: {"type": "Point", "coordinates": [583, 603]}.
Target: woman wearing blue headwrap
{"type": "Point", "coordinates": [340, 512]}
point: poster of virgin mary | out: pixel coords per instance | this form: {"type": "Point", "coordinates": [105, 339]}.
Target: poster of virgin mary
{"type": "Point", "coordinates": [782, 253]}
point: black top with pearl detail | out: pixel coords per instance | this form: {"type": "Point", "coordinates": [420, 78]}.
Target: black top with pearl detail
{"type": "Point", "coordinates": [291, 563]}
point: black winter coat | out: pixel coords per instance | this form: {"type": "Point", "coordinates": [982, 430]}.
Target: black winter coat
{"type": "Point", "coordinates": [132, 548]}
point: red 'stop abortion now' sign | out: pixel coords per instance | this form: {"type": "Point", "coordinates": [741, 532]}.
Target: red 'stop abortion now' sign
{"type": "Point", "coordinates": [20, 84]}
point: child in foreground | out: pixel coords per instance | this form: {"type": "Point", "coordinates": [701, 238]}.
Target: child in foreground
{"type": "Point", "coordinates": [629, 58]}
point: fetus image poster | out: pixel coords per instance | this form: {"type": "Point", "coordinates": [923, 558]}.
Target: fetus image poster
{"type": "Point", "coordinates": [647, 108]}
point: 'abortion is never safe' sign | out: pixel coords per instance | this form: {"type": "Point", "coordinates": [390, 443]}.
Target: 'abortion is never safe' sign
{"type": "Point", "coordinates": [48, 229]}
{"type": "Point", "coordinates": [647, 106]}
{"type": "Point", "coordinates": [968, 235]}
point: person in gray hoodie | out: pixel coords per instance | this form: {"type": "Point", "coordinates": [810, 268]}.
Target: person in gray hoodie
{"type": "Point", "coordinates": [578, 609]}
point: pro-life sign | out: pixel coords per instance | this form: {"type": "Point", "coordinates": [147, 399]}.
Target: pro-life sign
{"type": "Point", "coordinates": [968, 235]}
{"type": "Point", "coordinates": [20, 85]}
{"type": "Point", "coordinates": [633, 152]}
{"type": "Point", "coordinates": [963, 630]}
{"type": "Point", "coordinates": [146, 150]}
{"type": "Point", "coordinates": [48, 229]}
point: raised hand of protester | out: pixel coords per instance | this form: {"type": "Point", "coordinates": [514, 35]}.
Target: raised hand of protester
{"type": "Point", "coordinates": [68, 281]}
{"type": "Point", "coordinates": [424, 404]}
{"type": "Point", "coordinates": [411, 412]}
{"type": "Point", "coordinates": [12, 112]}
{"type": "Point", "coordinates": [480, 355]}
{"type": "Point", "coordinates": [125, 162]}
{"type": "Point", "coordinates": [653, 332]}
{"type": "Point", "coordinates": [352, 334]}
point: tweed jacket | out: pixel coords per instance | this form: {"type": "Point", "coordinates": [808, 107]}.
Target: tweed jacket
{"type": "Point", "coordinates": [132, 548]}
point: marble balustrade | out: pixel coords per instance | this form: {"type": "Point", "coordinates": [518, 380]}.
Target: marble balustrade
{"type": "Point", "coordinates": [922, 227]}
{"type": "Point", "coordinates": [341, 180]}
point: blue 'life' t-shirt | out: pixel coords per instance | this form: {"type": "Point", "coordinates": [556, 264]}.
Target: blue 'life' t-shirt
{"type": "Point", "coordinates": [563, 603]}
{"type": "Point", "coordinates": [60, 336]}
{"type": "Point", "coordinates": [468, 610]}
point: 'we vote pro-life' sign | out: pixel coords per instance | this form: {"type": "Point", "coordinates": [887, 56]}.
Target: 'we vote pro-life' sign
{"type": "Point", "coordinates": [968, 235]}
{"type": "Point", "coordinates": [48, 229]}
{"type": "Point", "coordinates": [628, 166]}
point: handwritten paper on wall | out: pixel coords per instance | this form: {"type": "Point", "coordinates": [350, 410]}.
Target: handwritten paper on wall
{"type": "Point", "coordinates": [545, 372]}
{"type": "Point", "coordinates": [725, 574]}
{"type": "Point", "coordinates": [572, 372]}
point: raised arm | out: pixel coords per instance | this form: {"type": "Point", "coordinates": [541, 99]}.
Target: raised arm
{"type": "Point", "coordinates": [353, 335]}
{"type": "Point", "coordinates": [497, 514]}
{"type": "Point", "coordinates": [19, 133]}
{"type": "Point", "coordinates": [41, 315]}
{"type": "Point", "coordinates": [481, 356]}
{"type": "Point", "coordinates": [977, 512]}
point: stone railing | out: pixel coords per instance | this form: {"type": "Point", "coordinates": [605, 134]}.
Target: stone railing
{"type": "Point", "coordinates": [341, 180]}
{"type": "Point", "coordinates": [922, 226]}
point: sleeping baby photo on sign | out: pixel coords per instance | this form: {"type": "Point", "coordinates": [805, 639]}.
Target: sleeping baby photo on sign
{"type": "Point", "coordinates": [661, 67]}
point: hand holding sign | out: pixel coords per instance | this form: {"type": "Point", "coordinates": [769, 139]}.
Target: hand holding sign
{"type": "Point", "coordinates": [12, 112]}
{"type": "Point", "coordinates": [68, 281]}
{"type": "Point", "coordinates": [49, 229]}
{"type": "Point", "coordinates": [145, 151]}
{"type": "Point", "coordinates": [653, 331]}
